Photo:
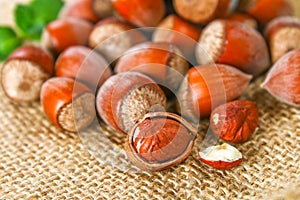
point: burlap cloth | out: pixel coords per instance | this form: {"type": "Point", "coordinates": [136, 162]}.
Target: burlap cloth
{"type": "Point", "coordinates": [38, 161]}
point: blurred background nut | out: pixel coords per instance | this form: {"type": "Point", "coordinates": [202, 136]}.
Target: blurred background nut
{"type": "Point", "coordinates": [283, 35]}
{"type": "Point", "coordinates": [63, 33]}
{"type": "Point", "coordinates": [84, 65]}
{"type": "Point", "coordinates": [112, 37]}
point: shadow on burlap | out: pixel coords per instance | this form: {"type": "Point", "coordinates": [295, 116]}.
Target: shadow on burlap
{"type": "Point", "coordinates": [38, 161]}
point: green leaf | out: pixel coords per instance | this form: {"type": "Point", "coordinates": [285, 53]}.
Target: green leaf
{"type": "Point", "coordinates": [9, 41]}
{"type": "Point", "coordinates": [46, 10]}
{"type": "Point", "coordinates": [32, 18]}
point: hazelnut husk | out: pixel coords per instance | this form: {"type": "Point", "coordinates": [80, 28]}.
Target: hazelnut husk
{"type": "Point", "coordinates": [235, 121]}
{"type": "Point", "coordinates": [283, 79]}
{"type": "Point", "coordinates": [126, 97]}
{"type": "Point", "coordinates": [160, 140]}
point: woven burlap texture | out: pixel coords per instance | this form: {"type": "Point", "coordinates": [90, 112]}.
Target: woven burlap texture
{"type": "Point", "coordinates": [38, 161]}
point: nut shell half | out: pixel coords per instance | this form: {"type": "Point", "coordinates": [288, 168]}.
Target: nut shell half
{"type": "Point", "coordinates": [160, 140]}
{"type": "Point", "coordinates": [222, 156]}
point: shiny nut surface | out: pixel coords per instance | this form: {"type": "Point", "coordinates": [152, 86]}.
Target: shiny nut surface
{"type": "Point", "coordinates": [235, 121]}
{"type": "Point", "coordinates": [160, 140]}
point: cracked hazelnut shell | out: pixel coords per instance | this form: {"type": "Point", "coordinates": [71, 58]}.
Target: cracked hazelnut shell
{"type": "Point", "coordinates": [160, 140]}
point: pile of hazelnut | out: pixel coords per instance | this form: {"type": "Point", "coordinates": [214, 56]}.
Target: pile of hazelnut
{"type": "Point", "coordinates": [127, 81]}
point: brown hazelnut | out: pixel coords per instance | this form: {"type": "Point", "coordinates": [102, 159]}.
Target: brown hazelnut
{"type": "Point", "coordinates": [82, 9]}
{"type": "Point", "coordinates": [68, 104]}
{"type": "Point", "coordinates": [206, 87]}
{"type": "Point", "coordinates": [160, 140]}
{"type": "Point", "coordinates": [283, 35]}
{"type": "Point", "coordinates": [103, 8]}
{"type": "Point", "coordinates": [243, 18]}
{"type": "Point", "coordinates": [82, 64]}
{"type": "Point", "coordinates": [283, 79]}
{"type": "Point", "coordinates": [266, 10]}
{"type": "Point", "coordinates": [203, 12]}
{"type": "Point", "coordinates": [235, 121]}
{"type": "Point", "coordinates": [112, 37]}
{"type": "Point", "coordinates": [177, 31]}
{"type": "Point", "coordinates": [140, 13]}
{"type": "Point", "coordinates": [160, 61]}
{"type": "Point", "coordinates": [126, 97]}
{"type": "Point", "coordinates": [63, 33]}
{"type": "Point", "coordinates": [235, 44]}
{"type": "Point", "coordinates": [24, 72]}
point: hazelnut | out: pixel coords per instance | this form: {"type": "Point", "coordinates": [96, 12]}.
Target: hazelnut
{"type": "Point", "coordinates": [63, 33]}
{"type": "Point", "coordinates": [80, 9]}
{"type": "Point", "coordinates": [68, 104]}
{"type": "Point", "coordinates": [235, 44]}
{"type": "Point", "coordinates": [266, 10]}
{"type": "Point", "coordinates": [160, 61]}
{"type": "Point", "coordinates": [203, 12]}
{"type": "Point", "coordinates": [140, 13]}
{"type": "Point", "coordinates": [235, 121]}
{"type": "Point", "coordinates": [206, 87]}
{"type": "Point", "coordinates": [24, 72]}
{"type": "Point", "coordinates": [126, 97]}
{"type": "Point", "coordinates": [283, 34]}
{"type": "Point", "coordinates": [283, 79]}
{"type": "Point", "coordinates": [83, 64]}
{"type": "Point", "coordinates": [103, 8]}
{"type": "Point", "coordinates": [112, 37]}
{"type": "Point", "coordinates": [177, 31]}
{"type": "Point", "coordinates": [222, 156]}
{"type": "Point", "coordinates": [243, 18]}
{"type": "Point", "coordinates": [160, 140]}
